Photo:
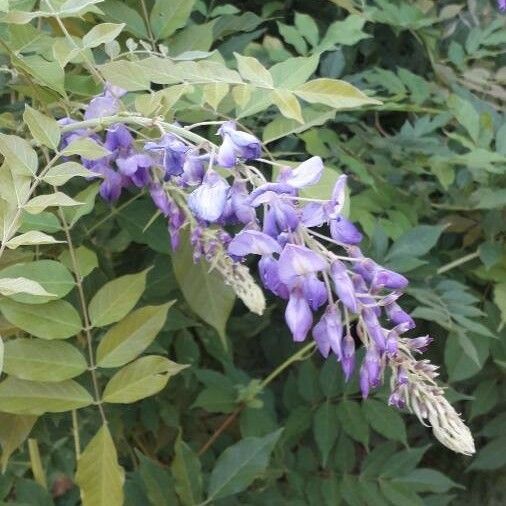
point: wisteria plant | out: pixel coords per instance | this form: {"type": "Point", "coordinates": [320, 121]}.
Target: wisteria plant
{"type": "Point", "coordinates": [140, 197]}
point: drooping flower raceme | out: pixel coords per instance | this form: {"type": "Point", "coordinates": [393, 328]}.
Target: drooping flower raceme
{"type": "Point", "coordinates": [308, 251]}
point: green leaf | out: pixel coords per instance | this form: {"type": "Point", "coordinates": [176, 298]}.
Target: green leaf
{"type": "Point", "coordinates": [466, 115]}
{"type": "Point", "coordinates": [294, 71]}
{"type": "Point", "coordinates": [325, 429]}
{"type": "Point", "coordinates": [187, 473]}
{"type": "Point", "coordinates": [87, 197]}
{"type": "Point", "coordinates": [308, 27]}
{"type": "Point", "coordinates": [98, 474]}
{"type": "Point", "coordinates": [87, 148]}
{"type": "Point", "coordinates": [292, 36]}
{"type": "Point", "coordinates": [52, 276]}
{"type": "Point", "coordinates": [416, 242]}
{"type": "Point", "coordinates": [41, 202]}
{"type": "Point", "coordinates": [43, 222]}
{"type": "Point", "coordinates": [287, 104]}
{"type": "Point", "coordinates": [14, 429]}
{"type": "Point", "coordinates": [206, 292]}
{"type": "Point", "coordinates": [40, 360]}
{"type": "Point", "coordinates": [491, 456]}
{"type": "Point", "coordinates": [15, 286]}
{"type": "Point", "coordinates": [216, 399]}
{"type": "Point", "coordinates": [60, 174]}
{"type": "Point", "coordinates": [117, 298]}
{"type": "Point", "coordinates": [142, 378]}
{"type": "Point", "coordinates": [252, 70]}
{"type": "Point", "coordinates": [500, 299]}
{"type": "Point", "coordinates": [239, 465]}
{"type": "Point", "coordinates": [31, 238]}
{"type": "Point", "coordinates": [131, 336]}
{"type": "Point", "coordinates": [157, 481]}
{"type": "Point", "coordinates": [44, 129]}
{"type": "Point", "coordinates": [72, 7]}
{"type": "Point", "coordinates": [22, 397]}
{"type": "Point", "coordinates": [54, 320]}
{"type": "Point", "coordinates": [116, 10]}
{"type": "Point", "coordinates": [334, 93]}
{"type": "Point", "coordinates": [86, 260]}
{"type": "Point", "coordinates": [169, 15]}
{"type": "Point", "coordinates": [384, 420]}
{"type": "Point", "coordinates": [19, 155]}
{"type": "Point", "coordinates": [347, 33]}
{"type": "Point", "coordinates": [101, 34]}
{"type": "Point", "coordinates": [423, 479]}
{"type": "Point", "coordinates": [353, 421]}
{"type": "Point", "coordinates": [399, 494]}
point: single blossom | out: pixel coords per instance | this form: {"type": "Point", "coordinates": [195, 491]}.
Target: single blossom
{"type": "Point", "coordinates": [298, 315]}
{"type": "Point", "coordinates": [236, 144]}
{"type": "Point", "coordinates": [306, 174]}
{"type": "Point", "coordinates": [253, 242]}
{"type": "Point", "coordinates": [208, 201]}
{"type": "Point", "coordinates": [328, 332]}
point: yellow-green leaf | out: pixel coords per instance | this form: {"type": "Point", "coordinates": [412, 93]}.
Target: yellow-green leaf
{"type": "Point", "coordinates": [14, 286]}
{"type": "Point", "coordinates": [41, 360]}
{"type": "Point", "coordinates": [19, 154]}
{"type": "Point", "coordinates": [14, 429]}
{"type": "Point", "coordinates": [54, 320]}
{"type": "Point", "coordinates": [43, 128]}
{"type": "Point", "coordinates": [60, 174]}
{"type": "Point", "coordinates": [117, 298]}
{"type": "Point", "coordinates": [334, 93]}
{"type": "Point", "coordinates": [252, 70]}
{"type": "Point", "coordinates": [86, 148]}
{"type": "Point", "coordinates": [22, 397]}
{"type": "Point", "coordinates": [99, 475]}
{"type": "Point", "coordinates": [101, 34]}
{"type": "Point", "coordinates": [288, 104]}
{"type": "Point", "coordinates": [214, 93]}
{"type": "Point", "coordinates": [31, 238]}
{"type": "Point", "coordinates": [131, 336]}
{"type": "Point", "coordinates": [41, 202]}
{"type": "Point", "coordinates": [142, 378]}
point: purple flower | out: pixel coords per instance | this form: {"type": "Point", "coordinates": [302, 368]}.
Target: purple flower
{"type": "Point", "coordinates": [314, 291]}
{"type": "Point", "coordinates": [298, 315]}
{"type": "Point", "coordinates": [374, 329]}
{"type": "Point", "coordinates": [160, 198]}
{"type": "Point", "coordinates": [348, 360]}
{"type": "Point", "coordinates": [136, 167]}
{"type": "Point", "coordinates": [193, 169]}
{"type": "Point", "coordinates": [313, 215]}
{"type": "Point", "coordinates": [370, 372]}
{"type": "Point", "coordinates": [236, 144]}
{"type": "Point", "coordinates": [298, 261]}
{"type": "Point", "coordinates": [343, 286]}
{"type": "Point", "coordinates": [253, 241]}
{"type": "Point", "coordinates": [344, 231]}
{"type": "Point", "coordinates": [119, 139]}
{"type": "Point", "coordinates": [208, 201]}
{"type": "Point", "coordinates": [336, 204]}
{"type": "Point", "coordinates": [107, 104]}
{"type": "Point", "coordinates": [328, 332]}
{"type": "Point", "coordinates": [111, 186]}
{"type": "Point", "coordinates": [268, 269]}
{"type": "Point", "coordinates": [306, 174]}
{"type": "Point", "coordinates": [240, 206]}
{"type": "Point", "coordinates": [397, 315]}
{"type": "Point", "coordinates": [172, 152]}
{"type": "Point", "coordinates": [419, 344]}
{"type": "Point", "coordinates": [501, 4]}
{"type": "Point", "coordinates": [388, 279]}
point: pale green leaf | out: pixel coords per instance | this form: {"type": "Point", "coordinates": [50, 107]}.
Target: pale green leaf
{"type": "Point", "coordinates": [40, 360]}
{"type": "Point", "coordinates": [252, 70]}
{"type": "Point", "coordinates": [43, 128]}
{"type": "Point", "coordinates": [73, 7]}
{"type": "Point", "coordinates": [294, 71]}
{"type": "Point", "coordinates": [31, 238]}
{"type": "Point", "coordinates": [41, 202]}
{"type": "Point", "coordinates": [14, 286]}
{"type": "Point", "coordinates": [117, 298]}
{"type": "Point", "coordinates": [19, 155]}
{"type": "Point", "coordinates": [131, 336]}
{"type": "Point", "coordinates": [239, 465]}
{"type": "Point", "coordinates": [99, 476]}
{"type": "Point", "coordinates": [86, 148]}
{"type": "Point", "coordinates": [22, 397]}
{"type": "Point", "coordinates": [60, 174]}
{"type": "Point", "coordinates": [54, 320]}
{"type": "Point", "coordinates": [86, 260]}
{"type": "Point", "coordinates": [334, 93]}
{"type": "Point", "coordinates": [140, 379]}
{"type": "Point", "coordinates": [101, 34]}
{"type": "Point", "coordinates": [167, 17]}
{"type": "Point", "coordinates": [214, 93]}
{"type": "Point", "coordinates": [347, 33]}
{"type": "Point", "coordinates": [288, 104]}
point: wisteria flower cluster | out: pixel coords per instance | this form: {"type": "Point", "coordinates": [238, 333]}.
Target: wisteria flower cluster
{"type": "Point", "coordinates": [308, 252]}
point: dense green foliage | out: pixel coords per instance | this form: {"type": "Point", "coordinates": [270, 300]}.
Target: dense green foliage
{"type": "Point", "coordinates": [248, 417]}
